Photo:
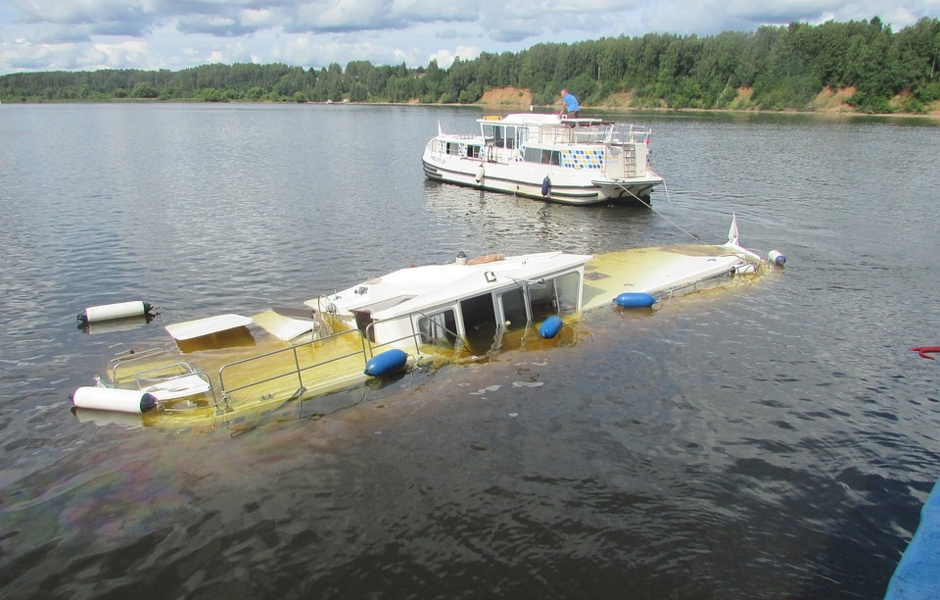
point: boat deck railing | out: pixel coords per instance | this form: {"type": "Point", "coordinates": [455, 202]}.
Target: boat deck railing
{"type": "Point", "coordinates": [133, 358]}
{"type": "Point", "coordinates": [294, 366]}
{"type": "Point", "coordinates": [414, 336]}
{"type": "Point", "coordinates": [161, 373]}
{"type": "Point", "coordinates": [573, 131]}
{"type": "Point", "coordinates": [391, 343]}
{"type": "Point", "coordinates": [294, 363]}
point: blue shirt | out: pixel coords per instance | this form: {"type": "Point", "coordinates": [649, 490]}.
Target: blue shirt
{"type": "Point", "coordinates": [571, 103]}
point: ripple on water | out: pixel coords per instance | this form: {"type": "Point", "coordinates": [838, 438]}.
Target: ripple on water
{"type": "Point", "coordinates": [773, 440]}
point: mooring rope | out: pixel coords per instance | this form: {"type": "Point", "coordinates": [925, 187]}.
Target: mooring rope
{"type": "Point", "coordinates": [649, 205]}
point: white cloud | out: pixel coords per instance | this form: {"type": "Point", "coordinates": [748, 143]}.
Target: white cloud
{"type": "Point", "coordinates": [77, 11]}
{"type": "Point", "coordinates": [445, 58]}
{"type": "Point", "coordinates": [114, 55]}
{"type": "Point", "coordinates": [174, 34]}
{"type": "Point", "coordinates": [259, 18]}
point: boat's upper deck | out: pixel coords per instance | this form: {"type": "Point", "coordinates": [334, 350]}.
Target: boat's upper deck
{"type": "Point", "coordinates": [552, 129]}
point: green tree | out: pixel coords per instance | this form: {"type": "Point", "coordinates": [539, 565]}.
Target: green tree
{"type": "Point", "coordinates": [144, 89]}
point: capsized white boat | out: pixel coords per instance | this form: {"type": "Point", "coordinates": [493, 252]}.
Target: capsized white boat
{"type": "Point", "coordinates": [383, 325]}
{"type": "Point", "coordinates": [547, 157]}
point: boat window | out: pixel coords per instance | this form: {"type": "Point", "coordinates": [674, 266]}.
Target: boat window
{"type": "Point", "coordinates": [453, 148]}
{"type": "Point", "coordinates": [542, 157]}
{"type": "Point", "coordinates": [490, 132]}
{"type": "Point", "coordinates": [542, 297]}
{"type": "Point", "coordinates": [513, 306]}
{"type": "Point", "coordinates": [500, 136]}
{"type": "Point", "coordinates": [439, 328]}
{"type": "Point", "coordinates": [479, 321]}
{"type": "Point", "coordinates": [363, 322]}
{"type": "Point", "coordinates": [474, 151]}
{"type": "Point", "coordinates": [568, 292]}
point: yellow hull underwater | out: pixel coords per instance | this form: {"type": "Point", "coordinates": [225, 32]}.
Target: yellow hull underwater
{"type": "Point", "coordinates": [662, 271]}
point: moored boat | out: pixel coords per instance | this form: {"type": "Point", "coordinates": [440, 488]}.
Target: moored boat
{"type": "Point", "coordinates": [547, 157]}
{"type": "Point", "coordinates": [384, 325]}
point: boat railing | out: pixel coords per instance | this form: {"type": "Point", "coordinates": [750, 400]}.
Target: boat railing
{"type": "Point", "coordinates": [329, 308]}
{"type": "Point", "coordinates": [439, 326]}
{"type": "Point", "coordinates": [186, 383]}
{"type": "Point", "coordinates": [414, 337]}
{"type": "Point", "coordinates": [588, 131]}
{"type": "Point", "coordinates": [297, 369]}
{"type": "Point", "coordinates": [626, 133]}
{"type": "Point", "coordinates": [747, 267]}
{"type": "Point", "coordinates": [588, 135]}
{"type": "Point", "coordinates": [131, 358]}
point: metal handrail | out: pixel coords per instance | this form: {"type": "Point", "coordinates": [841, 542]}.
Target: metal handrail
{"type": "Point", "coordinates": [370, 333]}
{"type": "Point", "coordinates": [168, 406]}
{"type": "Point", "coordinates": [298, 371]}
{"type": "Point", "coordinates": [124, 358]}
{"type": "Point", "coordinates": [415, 335]}
{"type": "Point", "coordinates": [368, 351]}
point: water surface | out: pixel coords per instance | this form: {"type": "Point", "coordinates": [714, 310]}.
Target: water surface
{"type": "Point", "coordinates": [772, 441]}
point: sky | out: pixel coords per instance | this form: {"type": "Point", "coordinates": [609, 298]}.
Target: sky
{"type": "Point", "coordinates": [85, 35]}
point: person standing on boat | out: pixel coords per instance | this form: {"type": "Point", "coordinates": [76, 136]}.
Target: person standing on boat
{"type": "Point", "coordinates": [570, 105]}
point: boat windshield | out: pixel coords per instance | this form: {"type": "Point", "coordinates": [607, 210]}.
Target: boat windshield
{"type": "Point", "coordinates": [501, 136]}
{"type": "Point", "coordinates": [439, 328]}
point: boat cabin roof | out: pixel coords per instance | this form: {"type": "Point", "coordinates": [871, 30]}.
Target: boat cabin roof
{"type": "Point", "coordinates": [423, 288]}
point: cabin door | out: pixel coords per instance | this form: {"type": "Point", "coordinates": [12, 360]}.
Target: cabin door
{"type": "Point", "coordinates": [614, 166]}
{"type": "Point", "coordinates": [479, 321]}
{"type": "Point", "coordinates": [513, 309]}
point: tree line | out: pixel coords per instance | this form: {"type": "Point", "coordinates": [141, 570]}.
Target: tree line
{"type": "Point", "coordinates": [783, 67]}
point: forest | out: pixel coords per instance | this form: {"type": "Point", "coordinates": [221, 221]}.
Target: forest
{"type": "Point", "coordinates": [781, 67]}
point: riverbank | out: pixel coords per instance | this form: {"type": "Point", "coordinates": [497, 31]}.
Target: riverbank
{"type": "Point", "coordinates": [828, 101]}
{"type": "Point", "coordinates": [510, 99]}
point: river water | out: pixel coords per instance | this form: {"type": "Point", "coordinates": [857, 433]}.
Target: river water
{"type": "Point", "coordinates": [769, 441]}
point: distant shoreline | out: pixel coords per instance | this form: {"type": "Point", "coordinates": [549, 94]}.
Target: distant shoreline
{"type": "Point", "coordinates": [507, 107]}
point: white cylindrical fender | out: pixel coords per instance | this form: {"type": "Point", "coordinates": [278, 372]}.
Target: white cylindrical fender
{"type": "Point", "coordinates": [103, 398]}
{"type": "Point", "coordinates": [776, 258]}
{"type": "Point", "coordinates": [120, 310]}
{"type": "Point", "coordinates": [481, 172]}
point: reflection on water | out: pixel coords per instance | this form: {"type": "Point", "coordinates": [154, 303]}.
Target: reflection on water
{"type": "Point", "coordinates": [774, 440]}
{"type": "Point", "coordinates": [493, 219]}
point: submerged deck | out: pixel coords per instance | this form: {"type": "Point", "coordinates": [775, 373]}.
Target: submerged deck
{"type": "Point", "coordinates": [655, 271]}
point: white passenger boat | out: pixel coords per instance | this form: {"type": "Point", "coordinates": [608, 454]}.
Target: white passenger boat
{"type": "Point", "coordinates": [224, 366]}
{"type": "Point", "coordinates": [547, 157]}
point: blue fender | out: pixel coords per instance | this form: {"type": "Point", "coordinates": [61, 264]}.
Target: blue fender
{"type": "Point", "coordinates": [634, 300]}
{"type": "Point", "coordinates": [551, 327]}
{"type": "Point", "coordinates": [386, 363]}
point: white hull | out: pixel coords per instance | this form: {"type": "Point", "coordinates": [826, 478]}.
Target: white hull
{"type": "Point", "coordinates": [544, 157]}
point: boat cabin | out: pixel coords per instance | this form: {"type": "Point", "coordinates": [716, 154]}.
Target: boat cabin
{"type": "Point", "coordinates": [469, 304]}
{"type": "Point", "coordinates": [617, 148]}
